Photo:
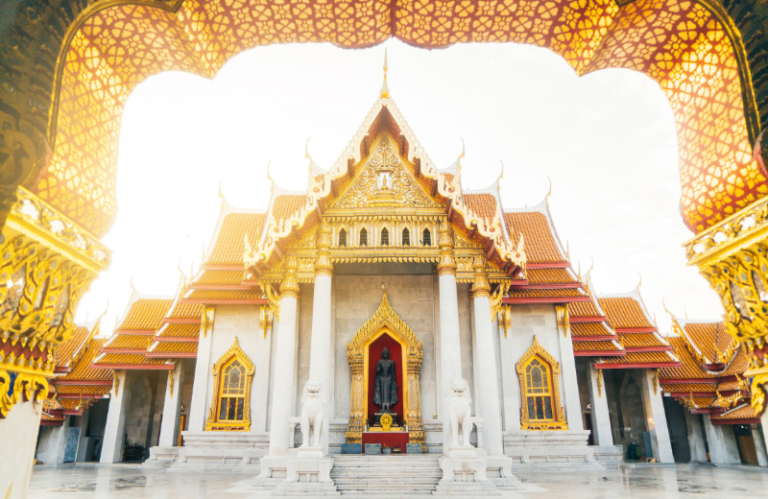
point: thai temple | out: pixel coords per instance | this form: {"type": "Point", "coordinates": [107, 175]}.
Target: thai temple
{"type": "Point", "coordinates": [386, 310]}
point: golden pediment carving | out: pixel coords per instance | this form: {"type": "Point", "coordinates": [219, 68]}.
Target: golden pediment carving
{"type": "Point", "coordinates": [384, 182]}
{"type": "Point", "coordinates": [385, 317]}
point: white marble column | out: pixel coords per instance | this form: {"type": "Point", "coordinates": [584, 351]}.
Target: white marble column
{"type": "Point", "coordinates": [169, 426]}
{"type": "Point", "coordinates": [656, 418]}
{"type": "Point", "coordinates": [285, 363]}
{"type": "Point", "coordinates": [695, 438]}
{"type": "Point", "coordinates": [568, 380]}
{"type": "Point", "coordinates": [762, 455]}
{"type": "Point", "coordinates": [490, 406]}
{"type": "Point", "coordinates": [450, 339]}
{"type": "Point", "coordinates": [203, 375]}
{"type": "Point", "coordinates": [320, 345]}
{"type": "Point", "coordinates": [18, 434]}
{"type": "Point", "coordinates": [723, 448]}
{"type": "Point", "coordinates": [114, 431]}
{"type": "Point", "coordinates": [598, 400]}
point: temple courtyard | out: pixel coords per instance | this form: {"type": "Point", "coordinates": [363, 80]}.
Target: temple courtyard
{"type": "Point", "coordinates": [130, 481]}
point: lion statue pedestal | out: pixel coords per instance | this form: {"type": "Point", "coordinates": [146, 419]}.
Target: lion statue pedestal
{"type": "Point", "coordinates": [309, 472]}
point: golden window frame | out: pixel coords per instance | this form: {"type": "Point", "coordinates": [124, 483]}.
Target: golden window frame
{"type": "Point", "coordinates": [213, 423]}
{"type": "Point", "coordinates": [558, 422]}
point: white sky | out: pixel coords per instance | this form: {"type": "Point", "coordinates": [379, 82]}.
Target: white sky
{"type": "Point", "coordinates": [607, 141]}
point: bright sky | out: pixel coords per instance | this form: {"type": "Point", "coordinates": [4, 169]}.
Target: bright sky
{"type": "Point", "coordinates": [607, 141]}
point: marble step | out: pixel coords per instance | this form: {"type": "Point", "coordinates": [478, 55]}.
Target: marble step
{"type": "Point", "coordinates": [386, 475]}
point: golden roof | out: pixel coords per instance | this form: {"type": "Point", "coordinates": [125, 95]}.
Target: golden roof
{"type": "Point", "coordinates": [83, 370]}
{"type": "Point", "coordinates": [540, 244]}
{"type": "Point", "coordinates": [546, 293]}
{"type": "Point", "coordinates": [624, 312]}
{"type": "Point", "coordinates": [690, 369]}
{"type": "Point", "coordinates": [145, 314]}
{"type": "Point", "coordinates": [229, 246]}
{"type": "Point", "coordinates": [744, 412]}
{"type": "Point", "coordinates": [180, 330]}
{"type": "Point", "coordinates": [287, 205]}
{"type": "Point", "coordinates": [128, 359]}
{"type": "Point", "coordinates": [226, 277]}
{"type": "Point", "coordinates": [641, 358]}
{"type": "Point", "coordinates": [185, 311]}
{"type": "Point", "coordinates": [637, 340]}
{"type": "Point", "coordinates": [129, 341]}
{"type": "Point", "coordinates": [206, 294]}
{"type": "Point", "coordinates": [583, 308]}
{"type": "Point", "coordinates": [86, 389]}
{"type": "Point", "coordinates": [595, 346]}
{"type": "Point", "coordinates": [69, 348]}
{"type": "Point", "coordinates": [686, 388]}
{"type": "Point", "coordinates": [169, 347]}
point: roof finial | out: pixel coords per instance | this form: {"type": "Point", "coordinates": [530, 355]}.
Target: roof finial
{"type": "Point", "coordinates": [592, 266]}
{"type": "Point", "coordinates": [549, 193]}
{"type": "Point", "coordinates": [221, 196]}
{"type": "Point", "coordinates": [640, 283]}
{"type": "Point", "coordinates": [384, 92]}
{"type": "Point", "coordinates": [131, 282]}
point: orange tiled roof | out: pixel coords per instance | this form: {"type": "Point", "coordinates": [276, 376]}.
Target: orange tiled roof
{"type": "Point", "coordinates": [180, 330]}
{"type": "Point", "coordinates": [545, 293]}
{"type": "Point", "coordinates": [83, 370]}
{"type": "Point", "coordinates": [687, 388]}
{"type": "Point", "coordinates": [705, 334]}
{"type": "Point", "coordinates": [86, 389]}
{"type": "Point", "coordinates": [482, 205]}
{"type": "Point", "coordinates": [66, 350]}
{"type": "Point", "coordinates": [635, 340]}
{"type": "Point", "coordinates": [744, 412]}
{"type": "Point", "coordinates": [287, 205]}
{"type": "Point", "coordinates": [590, 329]}
{"type": "Point", "coordinates": [47, 417]}
{"type": "Point", "coordinates": [624, 312]}
{"type": "Point", "coordinates": [175, 347]}
{"type": "Point", "coordinates": [549, 276]}
{"type": "Point", "coordinates": [145, 313]}
{"type": "Point", "coordinates": [582, 308]}
{"type": "Point", "coordinates": [128, 359]}
{"type": "Point", "coordinates": [691, 368]}
{"type": "Point", "coordinates": [229, 245]}
{"type": "Point", "coordinates": [220, 277]}
{"type": "Point", "coordinates": [129, 341]}
{"type": "Point", "coordinates": [641, 358]}
{"type": "Point", "coordinates": [739, 364]}
{"type": "Point", "coordinates": [540, 245]}
{"type": "Point", "coordinates": [590, 346]}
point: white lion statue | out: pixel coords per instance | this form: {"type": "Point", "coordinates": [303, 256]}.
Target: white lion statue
{"type": "Point", "coordinates": [460, 411]}
{"type": "Point", "coordinates": [312, 413]}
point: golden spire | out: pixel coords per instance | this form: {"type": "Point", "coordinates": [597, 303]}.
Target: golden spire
{"type": "Point", "coordinates": [384, 92]}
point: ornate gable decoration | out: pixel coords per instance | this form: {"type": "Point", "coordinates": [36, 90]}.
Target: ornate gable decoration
{"type": "Point", "coordinates": [384, 182]}
{"type": "Point", "coordinates": [384, 316]}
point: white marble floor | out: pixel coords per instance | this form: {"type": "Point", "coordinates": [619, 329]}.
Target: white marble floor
{"type": "Point", "coordinates": [124, 482]}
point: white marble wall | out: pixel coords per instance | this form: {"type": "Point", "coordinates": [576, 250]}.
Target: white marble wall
{"type": "Point", "coordinates": [242, 321]}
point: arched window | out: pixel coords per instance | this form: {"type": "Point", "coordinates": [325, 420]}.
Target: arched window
{"type": "Point", "coordinates": [363, 237]}
{"type": "Point", "coordinates": [540, 390]}
{"type": "Point", "coordinates": [384, 237]}
{"type": "Point", "coordinates": [232, 377]}
{"type": "Point", "coordinates": [232, 401]}
{"type": "Point", "coordinates": [406, 237]}
{"type": "Point", "coordinates": [342, 238]}
{"type": "Point", "coordinates": [426, 238]}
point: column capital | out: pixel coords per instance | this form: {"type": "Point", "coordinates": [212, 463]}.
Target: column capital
{"type": "Point", "coordinates": [563, 320]}
{"type": "Point", "coordinates": [480, 287]}
{"type": "Point", "coordinates": [447, 263]}
{"type": "Point", "coordinates": [323, 265]}
{"type": "Point", "coordinates": [290, 287]}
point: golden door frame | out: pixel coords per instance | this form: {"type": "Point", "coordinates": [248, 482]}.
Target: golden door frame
{"type": "Point", "coordinates": [385, 320]}
{"type": "Point", "coordinates": [213, 423]}
{"type": "Point", "coordinates": [559, 422]}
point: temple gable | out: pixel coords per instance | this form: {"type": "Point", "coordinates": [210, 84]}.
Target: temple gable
{"type": "Point", "coordinates": [384, 182]}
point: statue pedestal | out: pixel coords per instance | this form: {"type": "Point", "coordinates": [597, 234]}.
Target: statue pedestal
{"type": "Point", "coordinates": [464, 474]}
{"type": "Point", "coordinates": [308, 473]}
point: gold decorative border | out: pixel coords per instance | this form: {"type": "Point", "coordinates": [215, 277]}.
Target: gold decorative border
{"type": "Point", "coordinates": [558, 412]}
{"type": "Point", "coordinates": [213, 423]}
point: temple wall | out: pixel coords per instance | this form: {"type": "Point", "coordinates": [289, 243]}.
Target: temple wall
{"type": "Point", "coordinates": [242, 322]}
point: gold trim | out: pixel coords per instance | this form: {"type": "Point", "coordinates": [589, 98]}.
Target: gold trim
{"type": "Point", "coordinates": [558, 413]}
{"type": "Point", "coordinates": [385, 320]}
{"type": "Point", "coordinates": [563, 319]}
{"type": "Point", "coordinates": [213, 423]}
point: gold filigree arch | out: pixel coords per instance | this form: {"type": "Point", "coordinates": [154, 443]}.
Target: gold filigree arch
{"type": "Point", "coordinates": [385, 321]}
{"type": "Point", "coordinates": [213, 423]}
{"type": "Point", "coordinates": [692, 49]}
{"type": "Point", "coordinates": [558, 421]}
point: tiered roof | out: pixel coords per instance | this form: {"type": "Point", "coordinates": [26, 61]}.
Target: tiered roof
{"type": "Point", "coordinates": [126, 349]}
{"type": "Point", "coordinates": [711, 379]}
{"type": "Point", "coordinates": [591, 334]}
{"type": "Point", "coordinates": [80, 383]}
{"type": "Point", "coordinates": [179, 332]}
{"type": "Point", "coordinates": [638, 334]}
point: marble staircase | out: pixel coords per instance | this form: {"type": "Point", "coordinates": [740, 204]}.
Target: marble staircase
{"type": "Point", "coordinates": [386, 475]}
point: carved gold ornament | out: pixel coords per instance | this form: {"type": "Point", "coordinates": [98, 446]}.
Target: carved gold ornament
{"type": "Point", "coordinates": [481, 288]}
{"type": "Point", "coordinates": [206, 323]}
{"type": "Point", "coordinates": [385, 321]}
{"type": "Point", "coordinates": [170, 381]}
{"type": "Point", "coordinates": [20, 386]}
{"type": "Point", "coordinates": [550, 389]}
{"type": "Point", "coordinates": [563, 320]}
{"type": "Point", "coordinates": [229, 391]}
{"type": "Point", "coordinates": [386, 422]}
{"type": "Point", "coordinates": [599, 383]}
{"type": "Point", "coordinates": [505, 319]}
